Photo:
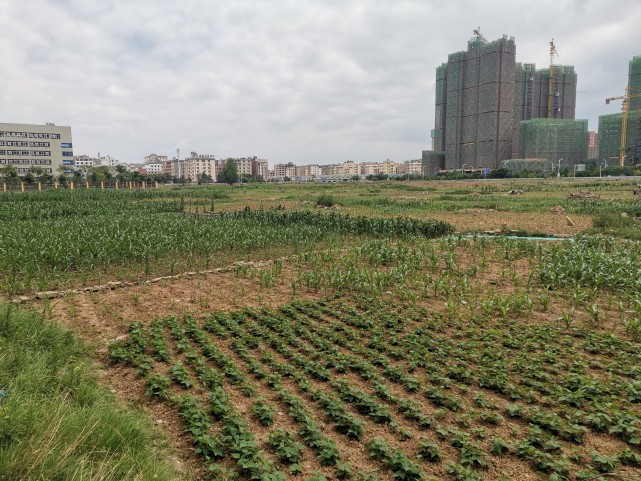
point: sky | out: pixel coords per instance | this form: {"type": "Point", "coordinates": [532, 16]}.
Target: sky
{"type": "Point", "coordinates": [303, 81]}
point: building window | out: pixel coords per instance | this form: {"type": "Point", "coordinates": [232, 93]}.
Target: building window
{"type": "Point", "coordinates": [66, 145]}
{"type": "Point", "coordinates": [67, 154]}
{"type": "Point", "coordinates": [55, 136]}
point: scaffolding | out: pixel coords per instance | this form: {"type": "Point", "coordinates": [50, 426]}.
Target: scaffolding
{"type": "Point", "coordinates": [610, 138]}
{"type": "Point", "coordinates": [555, 139]}
{"type": "Point", "coordinates": [518, 165]}
{"type": "Point", "coordinates": [481, 96]}
{"type": "Point", "coordinates": [634, 83]}
{"type": "Point", "coordinates": [433, 162]}
{"type": "Point", "coordinates": [563, 95]}
{"type": "Point", "coordinates": [524, 75]}
{"type": "Point", "coordinates": [478, 104]}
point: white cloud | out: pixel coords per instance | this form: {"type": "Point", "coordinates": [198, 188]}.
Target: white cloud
{"type": "Point", "coordinates": [116, 91]}
{"type": "Point", "coordinates": [307, 81]}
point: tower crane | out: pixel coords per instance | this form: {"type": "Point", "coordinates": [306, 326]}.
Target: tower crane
{"type": "Point", "coordinates": [478, 34]}
{"type": "Point", "coordinates": [551, 92]}
{"type": "Point", "coordinates": [625, 99]}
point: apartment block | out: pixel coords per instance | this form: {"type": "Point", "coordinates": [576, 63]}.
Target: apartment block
{"type": "Point", "coordinates": [155, 159]}
{"type": "Point", "coordinates": [307, 171]}
{"type": "Point", "coordinates": [26, 146]}
{"type": "Point", "coordinates": [388, 167]}
{"type": "Point", "coordinates": [260, 168]}
{"type": "Point", "coordinates": [369, 168]}
{"type": "Point", "coordinates": [83, 162]}
{"type": "Point", "coordinates": [482, 95]}
{"type": "Point", "coordinates": [154, 168]}
{"type": "Point", "coordinates": [410, 167]}
{"type": "Point", "coordinates": [245, 166]}
{"type": "Point", "coordinates": [197, 164]}
{"type": "Point", "coordinates": [285, 170]}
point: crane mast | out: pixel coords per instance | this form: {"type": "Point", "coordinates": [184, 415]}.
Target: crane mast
{"type": "Point", "coordinates": [551, 92]}
{"type": "Point", "coordinates": [625, 99]}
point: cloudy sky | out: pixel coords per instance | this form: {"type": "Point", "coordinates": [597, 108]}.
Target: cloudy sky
{"type": "Point", "coordinates": [308, 81]}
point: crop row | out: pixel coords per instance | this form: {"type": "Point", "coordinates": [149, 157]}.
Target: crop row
{"type": "Point", "coordinates": [316, 344]}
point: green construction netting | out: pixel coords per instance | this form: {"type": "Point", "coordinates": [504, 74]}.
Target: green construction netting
{"type": "Point", "coordinates": [554, 139]}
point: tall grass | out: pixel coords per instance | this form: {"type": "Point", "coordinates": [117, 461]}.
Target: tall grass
{"type": "Point", "coordinates": [56, 423]}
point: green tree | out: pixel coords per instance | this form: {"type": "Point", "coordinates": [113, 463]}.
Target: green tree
{"type": "Point", "coordinates": [204, 178]}
{"type": "Point", "coordinates": [122, 173]}
{"type": "Point", "coordinates": [9, 174]}
{"type": "Point", "coordinates": [37, 172]}
{"type": "Point", "coordinates": [229, 174]}
{"type": "Point", "coordinates": [62, 174]}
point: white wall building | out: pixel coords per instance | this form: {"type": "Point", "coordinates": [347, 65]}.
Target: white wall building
{"type": "Point", "coordinates": [26, 146]}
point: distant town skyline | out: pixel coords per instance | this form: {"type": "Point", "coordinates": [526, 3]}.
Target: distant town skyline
{"type": "Point", "coordinates": [306, 82]}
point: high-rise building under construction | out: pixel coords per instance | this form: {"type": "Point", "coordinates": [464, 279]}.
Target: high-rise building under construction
{"type": "Point", "coordinates": [482, 95]}
{"type": "Point", "coordinates": [612, 145]}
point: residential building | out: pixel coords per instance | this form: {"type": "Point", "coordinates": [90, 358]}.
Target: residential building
{"type": "Point", "coordinates": [197, 164]}
{"type": "Point", "coordinates": [245, 166]}
{"type": "Point", "coordinates": [308, 171]}
{"type": "Point", "coordinates": [84, 162]}
{"type": "Point", "coordinates": [284, 170]}
{"type": "Point", "coordinates": [555, 140]}
{"type": "Point", "coordinates": [351, 168]}
{"type": "Point", "coordinates": [481, 96]}
{"type": "Point", "coordinates": [155, 168]}
{"type": "Point", "coordinates": [108, 161]}
{"type": "Point", "coordinates": [260, 168]}
{"type": "Point", "coordinates": [332, 169]}
{"type": "Point", "coordinates": [388, 167]}
{"type": "Point", "coordinates": [155, 159]}
{"type": "Point", "coordinates": [369, 168]}
{"type": "Point", "coordinates": [410, 167]}
{"type": "Point", "coordinates": [25, 146]}
{"type": "Point", "coordinates": [609, 142]}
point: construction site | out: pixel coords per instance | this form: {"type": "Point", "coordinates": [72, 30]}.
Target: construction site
{"type": "Point", "coordinates": [485, 106]}
{"type": "Point", "coordinates": [620, 134]}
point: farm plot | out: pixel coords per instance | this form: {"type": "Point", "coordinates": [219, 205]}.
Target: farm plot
{"type": "Point", "coordinates": [362, 389]}
{"type": "Point", "coordinates": [48, 248]}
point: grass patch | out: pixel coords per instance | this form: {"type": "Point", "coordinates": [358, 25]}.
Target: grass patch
{"type": "Point", "coordinates": [55, 421]}
{"type": "Point", "coordinates": [627, 227]}
{"type": "Point", "coordinates": [326, 200]}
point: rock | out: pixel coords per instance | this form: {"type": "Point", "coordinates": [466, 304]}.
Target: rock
{"type": "Point", "coordinates": [116, 339]}
{"type": "Point", "coordinates": [49, 294]}
{"type": "Point", "coordinates": [624, 214]}
{"type": "Point", "coordinates": [114, 285]}
{"type": "Point", "coordinates": [568, 221]}
{"type": "Point", "coordinates": [21, 299]}
{"type": "Point", "coordinates": [95, 288]}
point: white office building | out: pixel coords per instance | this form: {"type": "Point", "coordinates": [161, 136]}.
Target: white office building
{"type": "Point", "coordinates": [26, 146]}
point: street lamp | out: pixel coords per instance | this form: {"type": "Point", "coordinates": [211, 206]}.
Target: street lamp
{"type": "Point", "coordinates": [463, 169]}
{"type": "Point", "coordinates": [558, 169]}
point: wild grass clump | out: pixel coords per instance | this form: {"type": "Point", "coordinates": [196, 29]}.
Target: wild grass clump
{"type": "Point", "coordinates": [627, 227]}
{"type": "Point", "coordinates": [55, 421]}
{"type": "Point", "coordinates": [326, 200]}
